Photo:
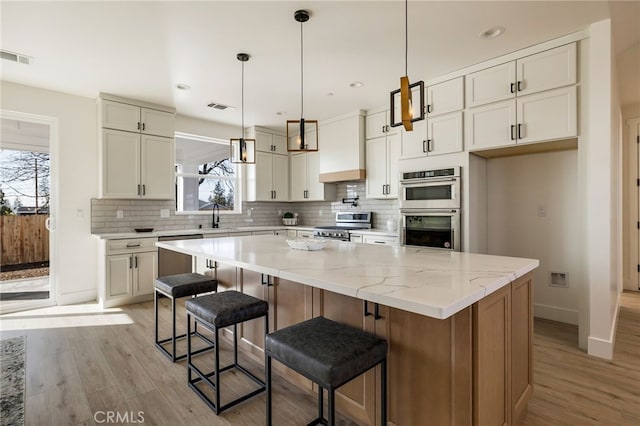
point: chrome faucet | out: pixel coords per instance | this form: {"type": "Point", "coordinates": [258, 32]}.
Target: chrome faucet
{"type": "Point", "coordinates": [215, 221]}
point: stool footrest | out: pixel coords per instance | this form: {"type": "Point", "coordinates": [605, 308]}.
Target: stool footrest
{"type": "Point", "coordinates": [171, 356]}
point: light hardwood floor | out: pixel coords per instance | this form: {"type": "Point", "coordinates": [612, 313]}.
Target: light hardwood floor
{"type": "Point", "coordinates": [81, 360]}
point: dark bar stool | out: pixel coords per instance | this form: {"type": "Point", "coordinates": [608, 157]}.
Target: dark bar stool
{"type": "Point", "coordinates": [329, 354]}
{"type": "Point", "coordinates": [175, 287]}
{"type": "Point", "coordinates": [216, 311]}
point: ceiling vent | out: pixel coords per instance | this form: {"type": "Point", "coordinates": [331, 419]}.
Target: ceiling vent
{"type": "Point", "coordinates": [15, 57]}
{"type": "Point", "coordinates": [216, 105]}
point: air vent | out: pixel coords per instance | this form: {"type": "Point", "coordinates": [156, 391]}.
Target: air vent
{"type": "Point", "coordinates": [15, 57]}
{"type": "Point", "coordinates": [559, 279]}
{"type": "Point", "coordinates": [216, 105]}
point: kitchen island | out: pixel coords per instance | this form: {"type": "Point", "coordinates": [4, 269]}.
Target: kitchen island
{"type": "Point", "coordinates": [459, 325]}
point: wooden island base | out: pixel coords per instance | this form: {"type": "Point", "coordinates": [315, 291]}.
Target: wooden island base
{"type": "Point", "coordinates": [473, 368]}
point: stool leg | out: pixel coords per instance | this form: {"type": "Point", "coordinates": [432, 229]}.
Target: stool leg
{"type": "Point", "coordinates": [235, 344]}
{"type": "Point", "coordinates": [332, 407]}
{"type": "Point", "coordinates": [383, 390]}
{"type": "Point", "coordinates": [268, 375]}
{"type": "Point", "coordinates": [173, 339]}
{"type": "Point", "coordinates": [188, 348]}
{"type": "Point", "coordinates": [155, 312]}
{"type": "Point", "coordinates": [217, 340]}
{"type": "Point", "coordinates": [320, 404]}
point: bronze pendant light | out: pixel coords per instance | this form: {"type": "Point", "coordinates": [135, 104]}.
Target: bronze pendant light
{"type": "Point", "coordinates": [407, 107]}
{"type": "Point", "coordinates": [302, 135]}
{"type": "Point", "coordinates": [243, 151]}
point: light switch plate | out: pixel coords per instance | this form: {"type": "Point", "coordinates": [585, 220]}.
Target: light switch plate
{"type": "Point", "coordinates": [164, 212]}
{"type": "Point", "coordinates": [119, 214]}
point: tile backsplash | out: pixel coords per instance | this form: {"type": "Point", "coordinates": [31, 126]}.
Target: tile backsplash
{"type": "Point", "coordinates": [147, 213]}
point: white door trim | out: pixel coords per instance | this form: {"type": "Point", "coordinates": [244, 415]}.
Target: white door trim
{"type": "Point", "coordinates": [52, 122]}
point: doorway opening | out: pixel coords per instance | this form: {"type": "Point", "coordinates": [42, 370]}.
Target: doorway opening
{"type": "Point", "coordinates": [26, 210]}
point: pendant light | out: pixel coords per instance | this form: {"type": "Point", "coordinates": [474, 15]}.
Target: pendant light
{"type": "Point", "coordinates": [407, 108]}
{"type": "Point", "coordinates": [302, 135]}
{"type": "Point", "coordinates": [243, 151]}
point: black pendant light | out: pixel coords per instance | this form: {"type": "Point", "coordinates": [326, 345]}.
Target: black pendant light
{"type": "Point", "coordinates": [243, 151]}
{"type": "Point", "coordinates": [407, 108]}
{"type": "Point", "coordinates": [302, 135]}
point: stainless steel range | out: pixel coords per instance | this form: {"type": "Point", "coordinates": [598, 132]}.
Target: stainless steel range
{"type": "Point", "coordinates": [345, 222]}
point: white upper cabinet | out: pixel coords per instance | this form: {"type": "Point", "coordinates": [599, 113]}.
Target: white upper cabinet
{"type": "Point", "coordinates": [269, 142]}
{"type": "Point", "coordinates": [535, 73]}
{"type": "Point", "coordinates": [377, 125]}
{"type": "Point", "coordinates": [547, 70]}
{"type": "Point", "coordinates": [268, 178]}
{"type": "Point", "coordinates": [532, 99]}
{"type": "Point", "coordinates": [491, 85]}
{"type": "Point", "coordinates": [383, 154]}
{"type": "Point", "coordinates": [132, 118]}
{"type": "Point", "coordinates": [157, 156]}
{"type": "Point", "coordinates": [445, 97]}
{"type": "Point", "coordinates": [305, 185]}
{"type": "Point", "coordinates": [120, 174]}
{"type": "Point", "coordinates": [444, 134]}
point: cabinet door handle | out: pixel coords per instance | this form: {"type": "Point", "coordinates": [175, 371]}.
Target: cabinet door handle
{"type": "Point", "coordinates": [143, 126]}
{"type": "Point", "coordinates": [513, 138]}
{"type": "Point", "coordinates": [429, 108]}
{"type": "Point", "coordinates": [138, 125]}
{"type": "Point", "coordinates": [365, 308]}
{"type": "Point", "coordinates": [268, 282]}
{"type": "Point", "coordinates": [520, 131]}
{"type": "Point", "coordinates": [376, 312]}
{"type": "Point", "coordinates": [135, 262]}
{"type": "Point", "coordinates": [424, 146]}
{"type": "Point", "coordinates": [275, 194]}
{"type": "Point", "coordinates": [429, 145]}
{"type": "Point", "coordinates": [519, 86]}
{"type": "Point", "coordinates": [387, 128]}
{"type": "Point", "coordinates": [131, 245]}
{"type": "Point", "coordinates": [138, 189]}
{"type": "Point", "coordinates": [512, 88]}
{"type": "Point", "coordinates": [144, 189]}
{"type": "Point", "coordinates": [130, 262]}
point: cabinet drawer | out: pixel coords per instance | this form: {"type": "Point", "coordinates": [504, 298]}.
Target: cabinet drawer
{"type": "Point", "coordinates": [380, 240]}
{"type": "Point", "coordinates": [131, 245]}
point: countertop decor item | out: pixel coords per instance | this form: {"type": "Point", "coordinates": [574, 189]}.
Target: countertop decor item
{"type": "Point", "coordinates": [290, 219]}
{"type": "Point", "coordinates": [143, 229]}
{"type": "Point", "coordinates": [310, 244]}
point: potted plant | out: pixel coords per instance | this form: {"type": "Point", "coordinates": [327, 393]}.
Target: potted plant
{"type": "Point", "coordinates": [289, 219]}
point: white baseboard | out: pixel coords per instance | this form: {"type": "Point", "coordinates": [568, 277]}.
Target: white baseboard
{"type": "Point", "coordinates": [603, 348]}
{"type": "Point", "coordinates": [77, 297]}
{"type": "Point", "coordinates": [556, 313]}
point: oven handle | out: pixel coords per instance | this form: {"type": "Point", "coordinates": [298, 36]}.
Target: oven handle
{"type": "Point", "coordinates": [411, 182]}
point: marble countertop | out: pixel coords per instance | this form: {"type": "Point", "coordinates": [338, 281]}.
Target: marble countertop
{"type": "Point", "coordinates": [195, 231]}
{"type": "Point", "coordinates": [430, 282]}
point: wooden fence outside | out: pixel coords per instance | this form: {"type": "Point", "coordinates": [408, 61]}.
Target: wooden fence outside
{"type": "Point", "coordinates": [24, 239]}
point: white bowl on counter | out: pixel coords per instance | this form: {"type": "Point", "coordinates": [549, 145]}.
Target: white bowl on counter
{"type": "Point", "coordinates": [309, 244]}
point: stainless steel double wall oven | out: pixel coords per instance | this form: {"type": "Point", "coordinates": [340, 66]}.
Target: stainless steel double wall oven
{"type": "Point", "coordinates": [430, 208]}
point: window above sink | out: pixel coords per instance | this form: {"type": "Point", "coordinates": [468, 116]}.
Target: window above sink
{"type": "Point", "coordinates": [205, 176]}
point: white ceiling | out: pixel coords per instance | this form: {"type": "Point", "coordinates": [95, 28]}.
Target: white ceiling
{"type": "Point", "coordinates": [141, 50]}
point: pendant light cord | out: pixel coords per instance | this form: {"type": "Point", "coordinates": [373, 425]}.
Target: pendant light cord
{"type": "Point", "coordinates": [406, 37]}
{"type": "Point", "coordinates": [301, 73]}
{"type": "Point", "coordinates": [242, 101]}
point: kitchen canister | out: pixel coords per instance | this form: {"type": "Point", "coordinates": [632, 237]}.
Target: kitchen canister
{"type": "Point", "coordinates": [391, 225]}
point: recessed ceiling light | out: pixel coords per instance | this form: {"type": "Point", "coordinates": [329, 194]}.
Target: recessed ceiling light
{"type": "Point", "coordinates": [356, 84]}
{"type": "Point", "coordinates": [330, 93]}
{"type": "Point", "coordinates": [492, 32]}
{"type": "Point", "coordinates": [182, 86]}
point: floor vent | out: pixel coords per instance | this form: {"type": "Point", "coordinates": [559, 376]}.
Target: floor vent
{"type": "Point", "coordinates": [15, 57]}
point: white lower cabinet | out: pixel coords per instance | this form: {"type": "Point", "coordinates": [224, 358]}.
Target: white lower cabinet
{"type": "Point", "coordinates": [128, 271]}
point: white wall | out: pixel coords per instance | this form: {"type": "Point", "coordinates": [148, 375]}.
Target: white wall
{"type": "Point", "coordinates": [601, 170]}
{"type": "Point", "coordinates": [518, 189]}
{"type": "Point", "coordinates": [77, 160]}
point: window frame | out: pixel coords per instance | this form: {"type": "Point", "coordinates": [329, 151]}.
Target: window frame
{"type": "Point", "coordinates": [238, 194]}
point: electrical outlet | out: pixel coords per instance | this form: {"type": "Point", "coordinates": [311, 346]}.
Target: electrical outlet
{"type": "Point", "coordinates": [119, 214]}
{"type": "Point", "coordinates": [542, 211]}
{"type": "Point", "coordinates": [320, 212]}
{"type": "Point", "coordinates": [164, 212]}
